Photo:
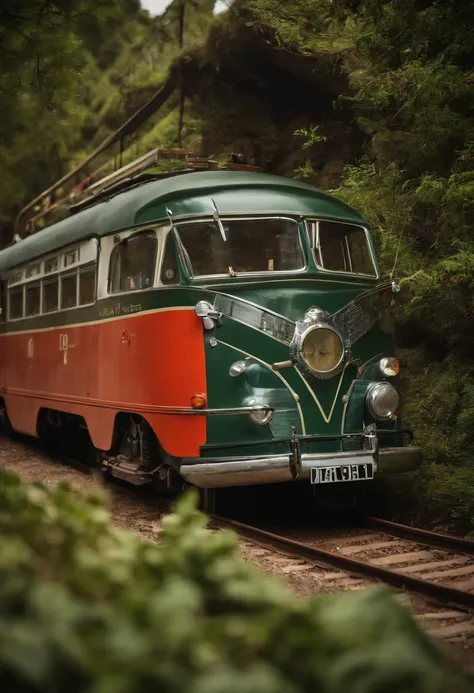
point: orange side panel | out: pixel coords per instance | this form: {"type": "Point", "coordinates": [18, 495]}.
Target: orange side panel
{"type": "Point", "coordinates": [139, 364]}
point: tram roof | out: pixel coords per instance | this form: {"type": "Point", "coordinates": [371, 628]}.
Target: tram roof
{"type": "Point", "coordinates": [185, 195]}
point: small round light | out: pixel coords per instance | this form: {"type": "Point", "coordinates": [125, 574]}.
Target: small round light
{"type": "Point", "coordinates": [261, 416]}
{"type": "Point", "coordinates": [322, 349]}
{"type": "Point", "coordinates": [382, 401]}
{"type": "Point", "coordinates": [237, 368]}
{"type": "Point", "coordinates": [199, 401]}
{"type": "Point", "coordinates": [389, 367]}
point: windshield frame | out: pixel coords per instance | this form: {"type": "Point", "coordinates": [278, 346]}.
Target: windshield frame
{"type": "Point", "coordinates": [227, 218]}
{"type": "Point", "coordinates": [314, 246]}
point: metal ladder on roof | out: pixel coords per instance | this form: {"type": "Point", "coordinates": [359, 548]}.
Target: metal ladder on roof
{"type": "Point", "coordinates": [94, 188]}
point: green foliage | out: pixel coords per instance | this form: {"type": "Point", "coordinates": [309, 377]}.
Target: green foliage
{"type": "Point", "coordinates": [438, 496]}
{"type": "Point", "coordinates": [412, 80]}
{"type": "Point", "coordinates": [291, 25]}
{"type": "Point", "coordinates": [439, 403]}
{"type": "Point", "coordinates": [84, 607]}
{"type": "Point", "coordinates": [52, 55]}
{"type": "Point", "coordinates": [73, 72]}
{"type": "Point", "coordinates": [305, 171]}
{"type": "Point", "coordinates": [311, 136]}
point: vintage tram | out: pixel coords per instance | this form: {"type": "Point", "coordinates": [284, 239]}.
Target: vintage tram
{"type": "Point", "coordinates": [219, 328]}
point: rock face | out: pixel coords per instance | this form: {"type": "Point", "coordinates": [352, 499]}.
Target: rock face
{"type": "Point", "coordinates": [250, 93]}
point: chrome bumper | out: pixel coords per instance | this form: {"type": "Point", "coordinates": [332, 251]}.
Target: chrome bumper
{"type": "Point", "coordinates": [221, 472]}
{"type": "Point", "coordinates": [392, 460]}
{"type": "Point", "coordinates": [217, 472]}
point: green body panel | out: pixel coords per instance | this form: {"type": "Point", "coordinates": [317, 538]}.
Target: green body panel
{"type": "Point", "coordinates": [323, 417]}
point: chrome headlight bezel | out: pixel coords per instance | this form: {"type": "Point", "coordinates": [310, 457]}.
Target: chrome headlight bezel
{"type": "Point", "coordinates": [373, 393]}
{"type": "Point", "coordinates": [303, 330]}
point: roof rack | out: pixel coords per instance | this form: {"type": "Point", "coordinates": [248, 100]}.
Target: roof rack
{"type": "Point", "coordinates": [90, 191]}
{"type": "Point", "coordinates": [122, 185]}
{"type": "Point", "coordinates": [147, 161]}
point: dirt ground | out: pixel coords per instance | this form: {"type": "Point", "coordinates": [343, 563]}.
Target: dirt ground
{"type": "Point", "coordinates": [140, 512]}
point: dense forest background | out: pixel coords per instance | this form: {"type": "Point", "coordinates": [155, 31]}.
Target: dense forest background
{"type": "Point", "coordinates": [371, 99]}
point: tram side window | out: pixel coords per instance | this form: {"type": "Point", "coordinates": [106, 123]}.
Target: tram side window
{"type": "Point", "coordinates": [132, 263]}
{"type": "Point", "coordinates": [32, 299]}
{"type": "Point", "coordinates": [15, 303]}
{"type": "Point", "coordinates": [51, 265]}
{"type": "Point", "coordinates": [344, 248]}
{"type": "Point", "coordinates": [33, 270]}
{"type": "Point", "coordinates": [69, 290]}
{"type": "Point", "coordinates": [71, 258]}
{"type": "Point", "coordinates": [50, 295]}
{"type": "Point", "coordinates": [87, 282]}
{"type": "Point", "coordinates": [169, 270]}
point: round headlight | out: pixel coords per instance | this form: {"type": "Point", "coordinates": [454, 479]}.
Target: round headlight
{"type": "Point", "coordinates": [322, 349]}
{"type": "Point", "coordinates": [382, 401]}
{"type": "Point", "coordinates": [389, 367]}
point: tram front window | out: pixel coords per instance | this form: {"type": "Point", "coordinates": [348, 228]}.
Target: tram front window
{"type": "Point", "coordinates": [344, 248]}
{"type": "Point", "coordinates": [251, 245]}
{"type": "Point", "coordinates": [132, 263]}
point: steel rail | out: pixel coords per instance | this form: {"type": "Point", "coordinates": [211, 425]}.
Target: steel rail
{"type": "Point", "coordinates": [323, 558]}
{"type": "Point", "coordinates": [419, 536]}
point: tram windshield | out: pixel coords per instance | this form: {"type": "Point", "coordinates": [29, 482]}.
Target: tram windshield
{"type": "Point", "coordinates": [251, 245]}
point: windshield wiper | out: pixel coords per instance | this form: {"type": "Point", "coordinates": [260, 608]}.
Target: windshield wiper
{"type": "Point", "coordinates": [217, 221]}
{"type": "Point", "coordinates": [220, 226]}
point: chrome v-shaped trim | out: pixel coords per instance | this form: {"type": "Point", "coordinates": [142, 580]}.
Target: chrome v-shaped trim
{"type": "Point", "coordinates": [353, 320]}
{"type": "Point", "coordinates": [327, 417]}
{"type": "Point", "coordinates": [252, 315]}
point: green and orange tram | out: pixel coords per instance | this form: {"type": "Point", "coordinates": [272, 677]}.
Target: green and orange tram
{"type": "Point", "coordinates": [216, 328]}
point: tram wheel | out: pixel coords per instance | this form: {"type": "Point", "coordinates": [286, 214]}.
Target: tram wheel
{"type": "Point", "coordinates": [137, 443]}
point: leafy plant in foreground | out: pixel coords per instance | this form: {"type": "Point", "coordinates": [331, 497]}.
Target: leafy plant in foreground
{"type": "Point", "coordinates": [84, 607]}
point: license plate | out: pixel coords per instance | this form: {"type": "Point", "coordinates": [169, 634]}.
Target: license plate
{"type": "Point", "coordinates": [348, 472]}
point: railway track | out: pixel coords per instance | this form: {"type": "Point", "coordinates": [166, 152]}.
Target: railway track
{"type": "Point", "coordinates": [436, 566]}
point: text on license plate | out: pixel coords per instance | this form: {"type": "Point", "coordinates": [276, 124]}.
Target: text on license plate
{"type": "Point", "coordinates": [349, 472]}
